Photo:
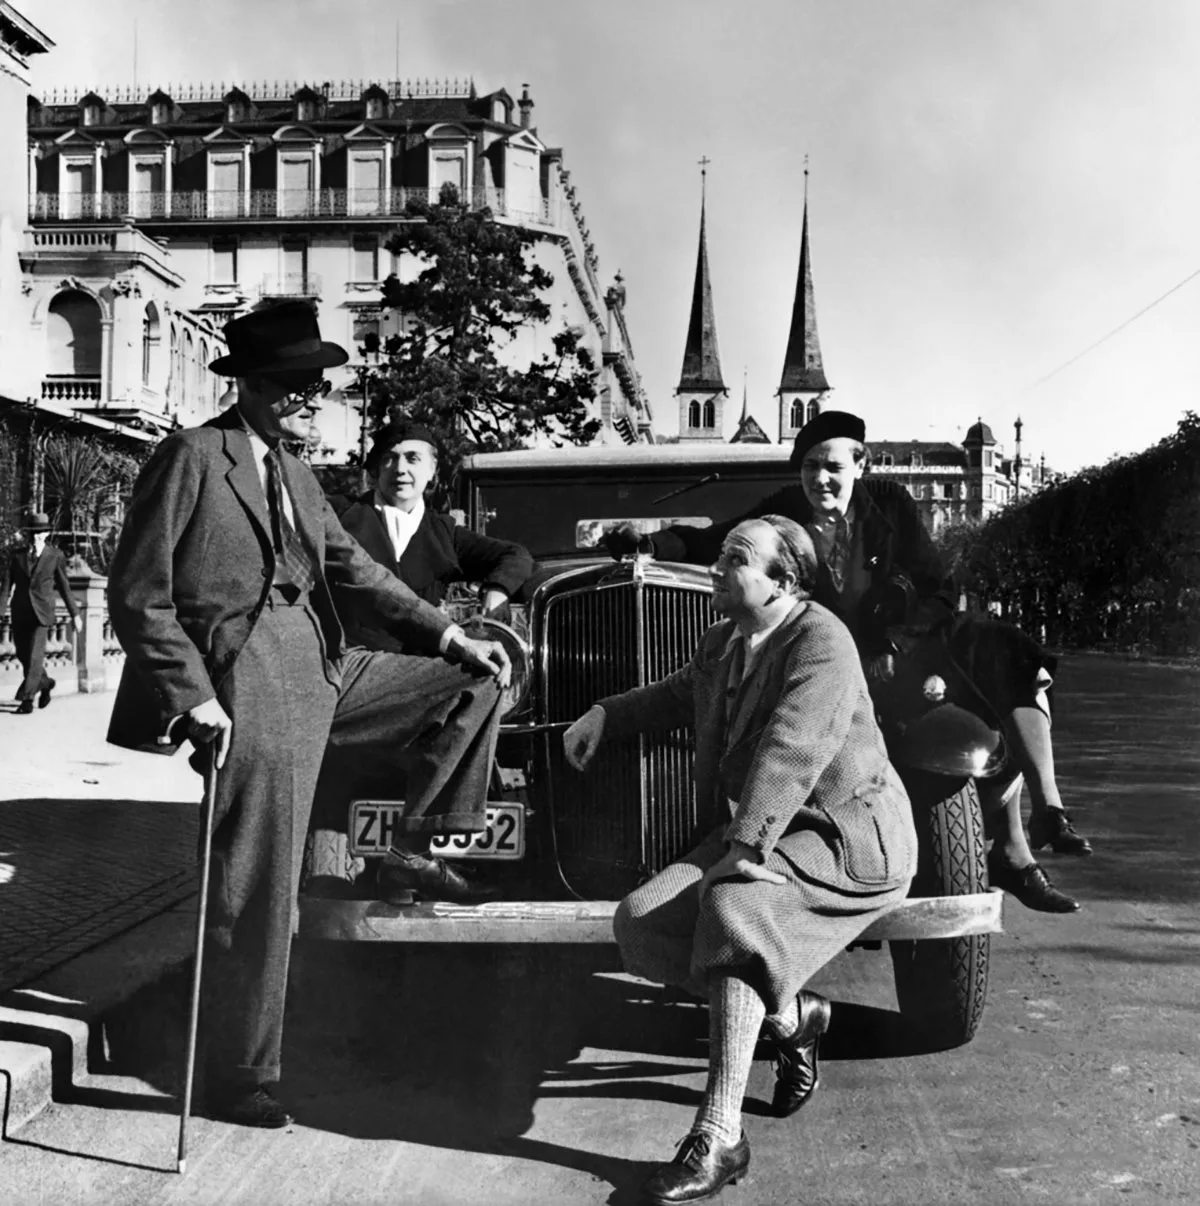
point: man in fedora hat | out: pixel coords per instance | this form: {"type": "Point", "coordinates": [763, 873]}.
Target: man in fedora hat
{"type": "Point", "coordinates": [33, 576]}
{"type": "Point", "coordinates": [220, 594]}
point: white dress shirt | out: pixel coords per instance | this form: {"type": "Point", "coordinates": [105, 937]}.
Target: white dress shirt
{"type": "Point", "coordinates": [401, 525]}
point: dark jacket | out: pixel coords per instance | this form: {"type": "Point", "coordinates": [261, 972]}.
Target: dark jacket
{"type": "Point", "coordinates": [195, 564]}
{"type": "Point", "coordinates": [439, 553]}
{"type": "Point", "coordinates": [896, 547]}
{"type": "Point", "coordinates": [796, 745]}
{"type": "Point", "coordinates": [33, 582]}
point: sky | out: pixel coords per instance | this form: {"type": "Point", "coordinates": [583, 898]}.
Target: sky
{"type": "Point", "coordinates": [993, 188]}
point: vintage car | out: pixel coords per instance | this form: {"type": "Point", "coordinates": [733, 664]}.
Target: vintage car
{"type": "Point", "coordinates": [565, 847]}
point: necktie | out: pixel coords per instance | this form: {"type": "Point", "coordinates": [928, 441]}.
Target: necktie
{"type": "Point", "coordinates": [293, 562]}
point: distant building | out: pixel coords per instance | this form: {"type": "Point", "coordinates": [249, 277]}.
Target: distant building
{"type": "Point", "coordinates": [953, 482]}
{"type": "Point", "coordinates": [160, 214]}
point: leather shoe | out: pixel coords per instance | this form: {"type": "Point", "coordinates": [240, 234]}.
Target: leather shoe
{"type": "Point", "coordinates": [25, 707]}
{"type": "Point", "coordinates": [1052, 827]}
{"type": "Point", "coordinates": [249, 1107]}
{"type": "Point", "coordinates": [1031, 886]}
{"type": "Point", "coordinates": [403, 876]}
{"type": "Point", "coordinates": [44, 694]}
{"type": "Point", "coordinates": [702, 1167]}
{"type": "Point", "coordinates": [796, 1072]}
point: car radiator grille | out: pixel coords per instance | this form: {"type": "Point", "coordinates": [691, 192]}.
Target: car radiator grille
{"type": "Point", "coordinates": [635, 808]}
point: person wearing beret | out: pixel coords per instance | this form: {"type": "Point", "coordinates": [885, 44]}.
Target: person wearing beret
{"type": "Point", "coordinates": [874, 549]}
{"type": "Point", "coordinates": [220, 593]}
{"type": "Point", "coordinates": [805, 834]}
{"type": "Point", "coordinates": [33, 575]}
{"type": "Point", "coordinates": [427, 551]}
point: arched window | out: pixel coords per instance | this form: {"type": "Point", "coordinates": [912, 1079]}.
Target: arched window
{"type": "Point", "coordinates": [796, 418]}
{"type": "Point", "coordinates": [73, 335]}
{"type": "Point", "coordinates": [814, 409]}
{"type": "Point", "coordinates": [202, 391]}
{"type": "Point", "coordinates": [710, 414]}
{"type": "Point", "coordinates": [693, 413]}
{"type": "Point", "coordinates": [151, 338]}
{"type": "Point", "coordinates": [186, 393]}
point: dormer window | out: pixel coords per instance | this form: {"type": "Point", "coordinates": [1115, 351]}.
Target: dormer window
{"type": "Point", "coordinates": [917, 460]}
{"type": "Point", "coordinates": [160, 109]}
{"type": "Point", "coordinates": [375, 104]}
{"type": "Point", "coordinates": [308, 104]}
{"type": "Point", "coordinates": [92, 109]}
{"type": "Point", "coordinates": [237, 105]}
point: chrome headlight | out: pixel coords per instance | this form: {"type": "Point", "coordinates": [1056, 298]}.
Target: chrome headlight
{"type": "Point", "coordinates": [484, 628]}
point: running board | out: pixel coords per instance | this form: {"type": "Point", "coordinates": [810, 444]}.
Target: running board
{"type": "Point", "coordinates": [566, 921]}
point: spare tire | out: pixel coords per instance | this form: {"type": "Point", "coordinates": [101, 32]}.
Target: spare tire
{"type": "Point", "coordinates": [941, 984]}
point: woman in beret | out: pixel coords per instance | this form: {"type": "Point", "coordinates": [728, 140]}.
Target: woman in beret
{"type": "Point", "coordinates": [875, 551]}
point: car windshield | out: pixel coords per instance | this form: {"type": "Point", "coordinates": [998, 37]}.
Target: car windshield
{"type": "Point", "coordinates": [557, 514]}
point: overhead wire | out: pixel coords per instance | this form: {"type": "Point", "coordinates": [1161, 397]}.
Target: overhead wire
{"type": "Point", "coordinates": [1115, 331]}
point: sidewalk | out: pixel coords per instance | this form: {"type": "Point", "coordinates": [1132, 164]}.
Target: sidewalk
{"type": "Point", "coordinates": [97, 866]}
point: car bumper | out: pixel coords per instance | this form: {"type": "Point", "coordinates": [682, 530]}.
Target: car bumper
{"type": "Point", "coordinates": [566, 922]}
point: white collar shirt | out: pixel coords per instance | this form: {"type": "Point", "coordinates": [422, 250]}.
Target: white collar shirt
{"type": "Point", "coordinates": [401, 525]}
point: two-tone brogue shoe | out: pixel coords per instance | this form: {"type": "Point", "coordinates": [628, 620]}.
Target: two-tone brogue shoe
{"type": "Point", "coordinates": [702, 1167]}
{"type": "Point", "coordinates": [797, 1073]}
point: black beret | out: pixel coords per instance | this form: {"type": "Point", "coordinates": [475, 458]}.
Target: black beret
{"type": "Point", "coordinates": [828, 425]}
{"type": "Point", "coordinates": [395, 433]}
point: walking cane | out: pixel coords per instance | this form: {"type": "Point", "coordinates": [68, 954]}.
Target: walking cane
{"type": "Point", "coordinates": [189, 1072]}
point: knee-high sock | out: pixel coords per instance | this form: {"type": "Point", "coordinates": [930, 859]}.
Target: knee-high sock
{"type": "Point", "coordinates": [735, 1016]}
{"type": "Point", "coordinates": [1002, 823]}
{"type": "Point", "coordinates": [1029, 732]}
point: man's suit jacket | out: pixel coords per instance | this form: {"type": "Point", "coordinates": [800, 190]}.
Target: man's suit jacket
{"type": "Point", "coordinates": [33, 582]}
{"type": "Point", "coordinates": [440, 552]}
{"type": "Point", "coordinates": [796, 746]}
{"type": "Point", "coordinates": [195, 564]}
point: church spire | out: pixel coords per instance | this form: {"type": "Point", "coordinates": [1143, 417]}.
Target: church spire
{"type": "Point", "coordinates": [802, 367]}
{"type": "Point", "coordinates": [701, 359]}
{"type": "Point", "coordinates": [701, 390]}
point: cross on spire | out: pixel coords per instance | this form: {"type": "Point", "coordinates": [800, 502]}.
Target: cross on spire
{"type": "Point", "coordinates": [703, 161]}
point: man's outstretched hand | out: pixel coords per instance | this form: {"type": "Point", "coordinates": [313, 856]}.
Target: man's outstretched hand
{"type": "Point", "coordinates": [582, 739]}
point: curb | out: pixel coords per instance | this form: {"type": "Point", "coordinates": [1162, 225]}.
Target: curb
{"type": "Point", "coordinates": [50, 1027]}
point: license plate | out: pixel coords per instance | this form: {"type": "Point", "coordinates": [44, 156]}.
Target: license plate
{"type": "Point", "coordinates": [374, 824]}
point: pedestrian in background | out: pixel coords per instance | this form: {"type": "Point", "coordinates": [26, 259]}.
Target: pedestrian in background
{"type": "Point", "coordinates": [33, 575]}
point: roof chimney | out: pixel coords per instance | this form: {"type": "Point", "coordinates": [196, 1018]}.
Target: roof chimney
{"type": "Point", "coordinates": [525, 104]}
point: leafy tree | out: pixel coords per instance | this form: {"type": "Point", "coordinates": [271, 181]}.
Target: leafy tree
{"type": "Point", "coordinates": [476, 291]}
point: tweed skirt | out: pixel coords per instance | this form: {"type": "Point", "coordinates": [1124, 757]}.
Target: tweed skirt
{"type": "Point", "coordinates": [776, 937]}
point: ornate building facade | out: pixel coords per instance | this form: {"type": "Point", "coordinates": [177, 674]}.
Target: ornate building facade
{"type": "Point", "coordinates": [158, 215]}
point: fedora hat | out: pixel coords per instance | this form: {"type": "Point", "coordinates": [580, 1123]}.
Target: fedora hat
{"type": "Point", "coordinates": [282, 338]}
{"type": "Point", "coordinates": [39, 521]}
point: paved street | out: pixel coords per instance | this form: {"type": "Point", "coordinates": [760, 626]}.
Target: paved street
{"type": "Point", "coordinates": [465, 1076]}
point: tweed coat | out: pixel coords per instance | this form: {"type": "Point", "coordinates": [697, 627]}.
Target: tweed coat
{"type": "Point", "coordinates": [194, 567]}
{"type": "Point", "coordinates": [796, 746]}
{"type": "Point", "coordinates": [895, 544]}
{"type": "Point", "coordinates": [33, 582]}
{"type": "Point", "coordinates": [440, 552]}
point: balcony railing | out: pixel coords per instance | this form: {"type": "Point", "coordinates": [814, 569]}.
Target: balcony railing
{"type": "Point", "coordinates": [290, 284]}
{"type": "Point", "coordinates": [71, 389]}
{"type": "Point", "coordinates": [264, 203]}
